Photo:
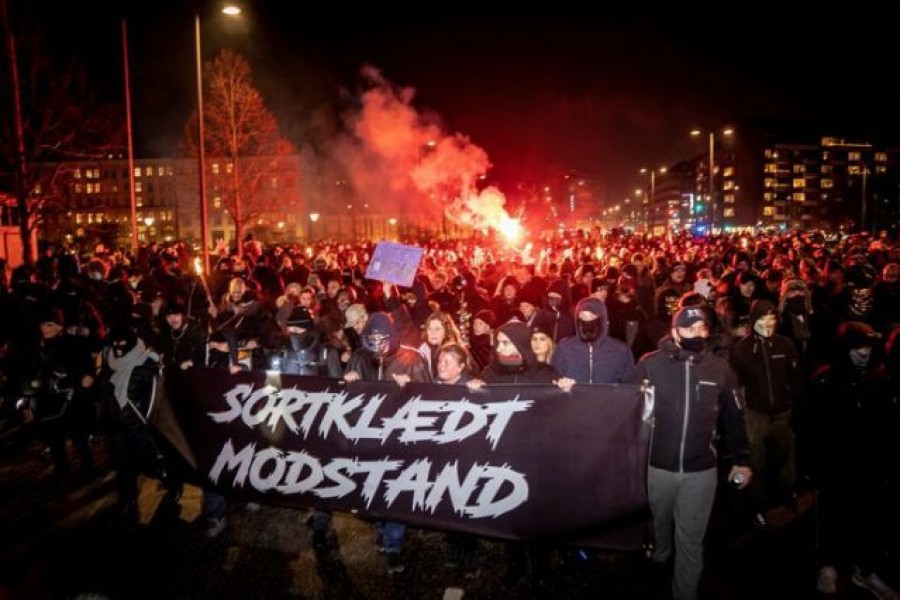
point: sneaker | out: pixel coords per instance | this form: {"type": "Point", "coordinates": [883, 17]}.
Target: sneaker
{"type": "Point", "coordinates": [827, 580]}
{"type": "Point", "coordinates": [760, 522]}
{"type": "Point", "coordinates": [395, 563]}
{"type": "Point", "coordinates": [874, 584]}
{"type": "Point", "coordinates": [214, 528]}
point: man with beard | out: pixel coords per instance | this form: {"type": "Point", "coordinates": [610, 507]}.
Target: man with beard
{"type": "Point", "coordinates": [383, 358]}
{"type": "Point", "coordinates": [767, 368]}
{"type": "Point", "coordinates": [592, 356]}
{"type": "Point", "coordinates": [696, 396]}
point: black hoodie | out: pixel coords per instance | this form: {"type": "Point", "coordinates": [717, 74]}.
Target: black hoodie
{"type": "Point", "coordinates": [531, 371]}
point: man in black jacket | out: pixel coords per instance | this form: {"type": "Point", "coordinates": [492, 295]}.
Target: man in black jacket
{"type": "Point", "coordinates": [695, 395]}
{"type": "Point", "coordinates": [769, 373]}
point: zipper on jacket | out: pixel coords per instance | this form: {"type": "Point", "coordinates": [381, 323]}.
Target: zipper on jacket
{"type": "Point", "coordinates": [591, 362]}
{"type": "Point", "coordinates": [687, 412]}
{"type": "Point", "coordinates": [768, 367]}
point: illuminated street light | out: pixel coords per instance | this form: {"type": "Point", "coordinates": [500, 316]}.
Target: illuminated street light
{"type": "Point", "coordinates": [232, 11]}
{"type": "Point", "coordinates": [313, 217]}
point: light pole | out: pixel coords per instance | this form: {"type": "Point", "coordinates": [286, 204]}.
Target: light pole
{"type": "Point", "coordinates": [651, 200]}
{"type": "Point", "coordinates": [130, 138]}
{"type": "Point", "coordinates": [230, 10]}
{"type": "Point", "coordinates": [713, 206]}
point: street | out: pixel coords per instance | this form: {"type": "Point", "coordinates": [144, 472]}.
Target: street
{"type": "Point", "coordinates": [69, 542]}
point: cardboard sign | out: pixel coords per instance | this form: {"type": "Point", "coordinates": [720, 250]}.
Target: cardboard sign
{"type": "Point", "coordinates": [394, 263]}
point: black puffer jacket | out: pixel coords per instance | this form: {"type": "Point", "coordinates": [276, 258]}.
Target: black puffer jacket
{"type": "Point", "coordinates": [695, 394]}
{"type": "Point", "coordinates": [768, 371]}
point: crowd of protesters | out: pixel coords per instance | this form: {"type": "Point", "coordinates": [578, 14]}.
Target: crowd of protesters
{"type": "Point", "coordinates": [806, 324]}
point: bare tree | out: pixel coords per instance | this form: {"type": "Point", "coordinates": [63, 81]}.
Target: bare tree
{"type": "Point", "coordinates": [239, 128]}
{"type": "Point", "coordinates": [48, 114]}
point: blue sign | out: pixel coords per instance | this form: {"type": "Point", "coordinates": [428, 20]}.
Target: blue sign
{"type": "Point", "coordinates": [394, 263]}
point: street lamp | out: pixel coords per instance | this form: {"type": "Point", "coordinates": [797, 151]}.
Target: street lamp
{"type": "Point", "coordinates": [651, 199]}
{"type": "Point", "coordinates": [313, 217]}
{"type": "Point", "coordinates": [713, 207]}
{"type": "Point", "coordinates": [148, 221]}
{"type": "Point", "coordinates": [232, 11]}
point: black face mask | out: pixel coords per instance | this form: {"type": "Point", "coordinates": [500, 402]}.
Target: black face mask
{"type": "Point", "coordinates": [796, 305]}
{"type": "Point", "coordinates": [589, 331]}
{"type": "Point", "coordinates": [694, 344]}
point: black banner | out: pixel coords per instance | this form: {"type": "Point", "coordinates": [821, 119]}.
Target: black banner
{"type": "Point", "coordinates": [511, 461]}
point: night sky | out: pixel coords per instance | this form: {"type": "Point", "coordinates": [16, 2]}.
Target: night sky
{"type": "Point", "coordinates": [602, 90]}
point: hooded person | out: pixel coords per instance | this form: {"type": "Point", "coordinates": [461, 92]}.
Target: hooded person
{"type": "Point", "coordinates": [514, 361]}
{"type": "Point", "coordinates": [592, 356]}
{"type": "Point", "coordinates": [855, 452]}
{"type": "Point", "coordinates": [127, 384]}
{"type": "Point", "coordinates": [306, 352]}
{"type": "Point", "coordinates": [768, 369]}
{"type": "Point", "coordinates": [382, 358]}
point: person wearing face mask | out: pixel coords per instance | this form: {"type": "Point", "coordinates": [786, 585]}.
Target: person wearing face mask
{"type": "Point", "coordinates": [592, 356]}
{"type": "Point", "coordinates": [856, 456]}
{"type": "Point", "coordinates": [768, 371]}
{"type": "Point", "coordinates": [557, 306]}
{"type": "Point", "coordinates": [127, 382]}
{"type": "Point", "coordinates": [382, 357]}
{"type": "Point", "coordinates": [696, 396]}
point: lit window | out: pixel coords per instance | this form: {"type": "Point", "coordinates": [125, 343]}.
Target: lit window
{"type": "Point", "coordinates": [768, 211]}
{"type": "Point", "coordinates": [826, 155]}
{"type": "Point", "coordinates": [728, 185]}
{"type": "Point", "coordinates": [827, 183]}
{"type": "Point", "coordinates": [139, 201]}
{"type": "Point", "coordinates": [799, 197]}
{"type": "Point", "coordinates": [96, 173]}
{"type": "Point", "coordinates": [76, 174]}
{"type": "Point", "coordinates": [728, 212]}
{"type": "Point", "coordinates": [229, 168]}
{"type": "Point", "coordinates": [769, 153]}
{"type": "Point", "coordinates": [97, 188]}
{"type": "Point", "coordinates": [137, 171]}
{"type": "Point", "coordinates": [881, 157]}
{"type": "Point", "coordinates": [769, 196]}
{"type": "Point", "coordinates": [169, 171]}
{"type": "Point", "coordinates": [854, 170]}
{"type": "Point", "coordinates": [880, 169]}
{"type": "Point", "coordinates": [217, 202]}
{"type": "Point", "coordinates": [799, 168]}
{"type": "Point", "coordinates": [827, 169]}
{"type": "Point", "coordinates": [728, 172]}
{"type": "Point", "coordinates": [274, 182]}
{"type": "Point", "coordinates": [78, 188]}
{"type": "Point", "coordinates": [78, 218]}
{"type": "Point", "coordinates": [160, 171]}
{"type": "Point", "coordinates": [89, 188]}
{"type": "Point", "coordinates": [854, 155]}
{"type": "Point", "coordinates": [769, 182]}
{"type": "Point", "coordinates": [215, 168]}
{"type": "Point", "coordinates": [799, 182]}
{"type": "Point", "coordinates": [729, 199]}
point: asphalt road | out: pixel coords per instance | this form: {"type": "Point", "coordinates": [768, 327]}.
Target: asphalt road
{"type": "Point", "coordinates": [69, 542]}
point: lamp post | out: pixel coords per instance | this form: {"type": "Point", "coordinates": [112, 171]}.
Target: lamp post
{"type": "Point", "coordinates": [713, 206]}
{"type": "Point", "coordinates": [230, 10]}
{"type": "Point", "coordinates": [651, 200]}
{"type": "Point", "coordinates": [148, 221]}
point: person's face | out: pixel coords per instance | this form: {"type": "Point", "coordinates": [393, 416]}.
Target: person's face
{"type": "Point", "coordinates": [505, 345]}
{"type": "Point", "coordinates": [678, 275]}
{"type": "Point", "coordinates": [306, 299]}
{"type": "Point", "coordinates": [332, 289]}
{"type": "Point", "coordinates": [359, 324]}
{"type": "Point", "coordinates": [479, 327]}
{"type": "Point", "coordinates": [175, 321]}
{"type": "Point", "coordinates": [541, 343]}
{"type": "Point", "coordinates": [434, 332]}
{"type": "Point", "coordinates": [50, 330]}
{"type": "Point", "coordinates": [527, 309]}
{"type": "Point", "coordinates": [440, 282]}
{"type": "Point", "coordinates": [509, 292]}
{"type": "Point", "coordinates": [343, 301]}
{"type": "Point", "coordinates": [449, 367]}
{"type": "Point", "coordinates": [236, 291]}
{"type": "Point", "coordinates": [747, 289]}
{"type": "Point", "coordinates": [773, 286]}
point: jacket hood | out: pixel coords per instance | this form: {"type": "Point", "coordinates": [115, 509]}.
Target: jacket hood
{"type": "Point", "coordinates": [381, 323]}
{"type": "Point", "coordinates": [520, 335]}
{"type": "Point", "coordinates": [598, 308]}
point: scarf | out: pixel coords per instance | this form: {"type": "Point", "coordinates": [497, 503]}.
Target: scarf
{"type": "Point", "coordinates": [122, 368]}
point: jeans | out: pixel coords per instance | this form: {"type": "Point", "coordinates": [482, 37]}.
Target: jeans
{"type": "Point", "coordinates": [392, 535]}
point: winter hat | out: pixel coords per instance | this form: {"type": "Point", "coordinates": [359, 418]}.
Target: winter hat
{"type": "Point", "coordinates": [761, 308]}
{"type": "Point", "coordinates": [591, 305]}
{"type": "Point", "coordinates": [520, 335]}
{"type": "Point", "coordinates": [174, 308]}
{"type": "Point", "coordinates": [793, 285]}
{"type": "Point", "coordinates": [300, 317]}
{"type": "Point", "coordinates": [51, 314]}
{"type": "Point", "coordinates": [543, 324]}
{"type": "Point", "coordinates": [856, 334]}
{"type": "Point", "coordinates": [529, 296]}
{"type": "Point", "coordinates": [488, 317]}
